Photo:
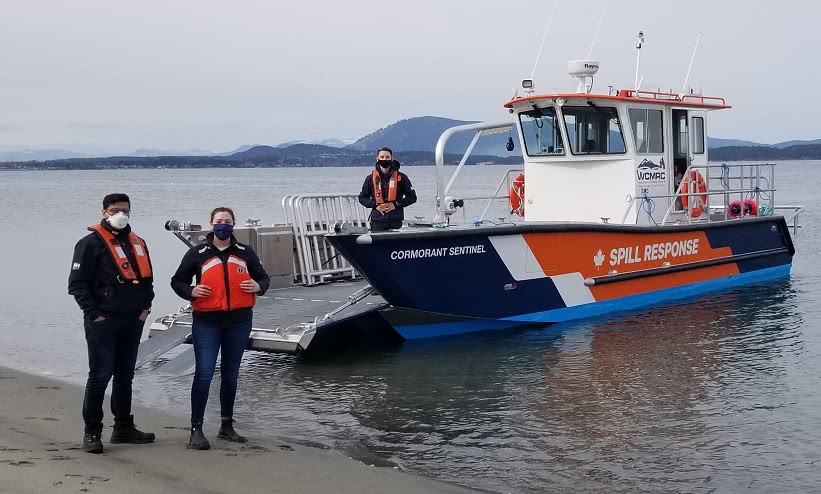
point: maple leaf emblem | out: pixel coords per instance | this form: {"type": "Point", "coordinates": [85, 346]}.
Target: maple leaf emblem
{"type": "Point", "coordinates": [598, 259]}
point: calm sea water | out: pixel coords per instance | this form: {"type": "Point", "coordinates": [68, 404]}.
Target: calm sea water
{"type": "Point", "coordinates": [718, 395]}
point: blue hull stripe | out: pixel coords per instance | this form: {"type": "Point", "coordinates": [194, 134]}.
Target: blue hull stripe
{"type": "Point", "coordinates": [631, 302]}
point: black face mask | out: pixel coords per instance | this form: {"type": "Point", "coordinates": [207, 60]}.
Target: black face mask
{"type": "Point", "coordinates": [384, 163]}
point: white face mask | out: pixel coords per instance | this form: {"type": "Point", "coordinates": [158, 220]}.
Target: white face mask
{"type": "Point", "coordinates": [118, 221]}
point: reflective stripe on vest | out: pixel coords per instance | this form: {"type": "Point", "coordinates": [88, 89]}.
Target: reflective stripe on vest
{"type": "Point", "coordinates": [223, 298]}
{"type": "Point", "coordinates": [114, 247]}
{"type": "Point", "coordinates": [393, 185]}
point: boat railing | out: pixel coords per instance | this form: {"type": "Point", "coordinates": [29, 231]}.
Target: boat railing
{"type": "Point", "coordinates": [443, 204]}
{"type": "Point", "coordinates": [724, 184]}
{"type": "Point", "coordinates": [311, 217]}
{"type": "Point", "coordinates": [505, 184]}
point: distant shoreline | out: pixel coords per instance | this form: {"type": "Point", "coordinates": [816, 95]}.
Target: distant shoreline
{"type": "Point", "coordinates": [44, 166]}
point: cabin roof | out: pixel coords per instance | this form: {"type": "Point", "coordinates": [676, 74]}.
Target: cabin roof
{"type": "Point", "coordinates": [643, 97]}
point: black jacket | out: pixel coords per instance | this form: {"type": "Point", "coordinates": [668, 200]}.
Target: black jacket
{"type": "Point", "coordinates": [190, 268]}
{"type": "Point", "coordinates": [93, 278]}
{"type": "Point", "coordinates": [405, 195]}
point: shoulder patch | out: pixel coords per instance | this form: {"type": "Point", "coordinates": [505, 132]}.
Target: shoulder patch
{"type": "Point", "coordinates": [203, 249]}
{"type": "Point", "coordinates": [75, 266]}
{"type": "Point", "coordinates": [240, 247]}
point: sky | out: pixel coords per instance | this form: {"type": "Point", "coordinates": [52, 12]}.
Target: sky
{"type": "Point", "coordinates": [112, 76]}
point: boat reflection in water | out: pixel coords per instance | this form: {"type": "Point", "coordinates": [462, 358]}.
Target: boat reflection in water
{"type": "Point", "coordinates": [628, 403]}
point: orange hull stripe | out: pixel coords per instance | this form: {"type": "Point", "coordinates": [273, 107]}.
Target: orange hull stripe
{"type": "Point", "coordinates": [597, 253]}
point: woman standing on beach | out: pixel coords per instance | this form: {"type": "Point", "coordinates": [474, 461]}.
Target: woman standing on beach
{"type": "Point", "coordinates": [228, 276]}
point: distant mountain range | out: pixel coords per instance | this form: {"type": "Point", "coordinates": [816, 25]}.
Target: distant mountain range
{"type": "Point", "coordinates": [714, 143]}
{"type": "Point", "coordinates": [332, 143]}
{"type": "Point", "coordinates": [413, 141]}
{"type": "Point", "coordinates": [422, 134]}
{"type": "Point", "coordinates": [766, 153]}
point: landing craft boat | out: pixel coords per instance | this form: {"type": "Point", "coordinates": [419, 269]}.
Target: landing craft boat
{"type": "Point", "coordinates": [622, 210]}
{"type": "Point", "coordinates": [616, 208]}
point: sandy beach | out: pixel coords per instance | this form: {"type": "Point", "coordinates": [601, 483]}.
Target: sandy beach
{"type": "Point", "coordinates": [40, 451]}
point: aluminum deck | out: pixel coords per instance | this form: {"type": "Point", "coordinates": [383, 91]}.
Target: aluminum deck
{"type": "Point", "coordinates": [286, 320]}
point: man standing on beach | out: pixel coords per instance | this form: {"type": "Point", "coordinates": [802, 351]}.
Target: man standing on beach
{"type": "Point", "coordinates": [387, 192]}
{"type": "Point", "coordinates": [111, 280]}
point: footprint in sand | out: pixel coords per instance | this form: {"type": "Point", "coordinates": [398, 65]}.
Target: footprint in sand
{"type": "Point", "coordinates": [254, 447]}
{"type": "Point", "coordinates": [285, 447]}
{"type": "Point", "coordinates": [49, 387]}
{"type": "Point", "coordinates": [50, 419]}
{"type": "Point", "coordinates": [61, 458]}
{"type": "Point", "coordinates": [21, 463]}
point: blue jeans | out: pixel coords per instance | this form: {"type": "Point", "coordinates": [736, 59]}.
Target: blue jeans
{"type": "Point", "coordinates": [209, 336]}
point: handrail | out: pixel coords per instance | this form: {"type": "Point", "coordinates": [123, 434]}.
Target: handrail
{"type": "Point", "coordinates": [440, 158]}
{"type": "Point", "coordinates": [504, 182]}
{"type": "Point", "coordinates": [725, 183]}
{"type": "Point", "coordinates": [660, 95]}
{"type": "Point", "coordinates": [741, 180]}
{"type": "Point", "coordinates": [311, 217]}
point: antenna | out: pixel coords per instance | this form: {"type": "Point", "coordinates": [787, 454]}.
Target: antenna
{"type": "Point", "coordinates": [546, 30]}
{"type": "Point", "coordinates": [686, 79]}
{"type": "Point", "coordinates": [596, 35]}
{"type": "Point", "coordinates": [638, 58]}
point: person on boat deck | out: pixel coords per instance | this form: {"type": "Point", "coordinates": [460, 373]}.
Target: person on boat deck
{"type": "Point", "coordinates": [111, 280]}
{"type": "Point", "coordinates": [387, 192]}
{"type": "Point", "coordinates": [229, 276]}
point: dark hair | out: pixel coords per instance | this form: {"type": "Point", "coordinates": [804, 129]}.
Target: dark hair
{"type": "Point", "coordinates": [223, 210]}
{"type": "Point", "coordinates": [385, 148]}
{"type": "Point", "coordinates": [112, 198]}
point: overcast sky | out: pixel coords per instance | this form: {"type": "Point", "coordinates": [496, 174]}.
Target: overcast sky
{"type": "Point", "coordinates": [112, 76]}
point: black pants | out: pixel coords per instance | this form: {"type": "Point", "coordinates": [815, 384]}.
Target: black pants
{"type": "Point", "coordinates": [112, 352]}
{"type": "Point", "coordinates": [383, 226]}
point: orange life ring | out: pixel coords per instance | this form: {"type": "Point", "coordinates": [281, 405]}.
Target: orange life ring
{"type": "Point", "coordinates": [694, 183]}
{"type": "Point", "coordinates": [517, 196]}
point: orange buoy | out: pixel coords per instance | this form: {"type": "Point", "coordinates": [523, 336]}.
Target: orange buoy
{"type": "Point", "coordinates": [517, 196]}
{"type": "Point", "coordinates": [693, 184]}
{"type": "Point", "coordinates": [750, 207]}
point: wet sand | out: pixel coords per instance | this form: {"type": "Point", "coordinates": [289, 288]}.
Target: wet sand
{"type": "Point", "coordinates": [40, 451]}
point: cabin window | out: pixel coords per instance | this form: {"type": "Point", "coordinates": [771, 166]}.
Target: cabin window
{"type": "Point", "coordinates": [593, 130]}
{"type": "Point", "coordinates": [541, 134]}
{"type": "Point", "coordinates": [698, 135]}
{"type": "Point", "coordinates": [681, 151]}
{"type": "Point", "coordinates": [648, 133]}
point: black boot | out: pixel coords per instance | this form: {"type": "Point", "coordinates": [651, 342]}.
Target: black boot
{"type": "Point", "coordinates": [227, 432]}
{"type": "Point", "coordinates": [92, 442]}
{"type": "Point", "coordinates": [198, 439]}
{"type": "Point", "coordinates": [125, 432]}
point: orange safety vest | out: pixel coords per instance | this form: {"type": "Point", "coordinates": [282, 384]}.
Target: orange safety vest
{"type": "Point", "coordinates": [224, 296]}
{"type": "Point", "coordinates": [393, 184]}
{"type": "Point", "coordinates": [115, 248]}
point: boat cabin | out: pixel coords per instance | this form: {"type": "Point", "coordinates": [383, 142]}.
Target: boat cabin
{"type": "Point", "coordinates": [617, 158]}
